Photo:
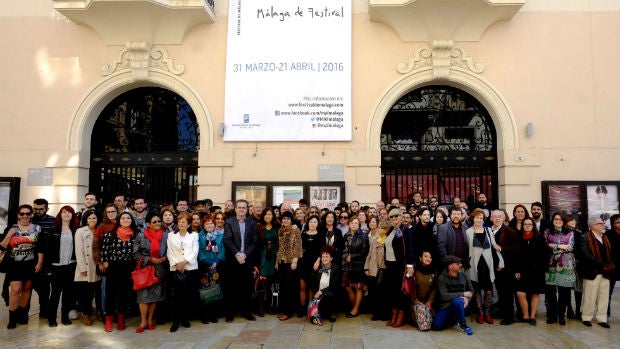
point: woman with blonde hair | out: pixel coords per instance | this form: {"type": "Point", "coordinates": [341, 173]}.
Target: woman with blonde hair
{"type": "Point", "coordinates": [374, 269]}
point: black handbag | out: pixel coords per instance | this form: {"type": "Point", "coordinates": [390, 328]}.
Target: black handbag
{"type": "Point", "coordinates": [380, 276]}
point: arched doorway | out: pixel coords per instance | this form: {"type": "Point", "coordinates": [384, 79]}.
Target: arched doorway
{"type": "Point", "coordinates": [145, 142]}
{"type": "Point", "coordinates": [441, 141]}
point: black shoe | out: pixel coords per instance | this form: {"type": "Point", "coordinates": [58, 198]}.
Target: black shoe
{"type": "Point", "coordinates": [532, 322]}
{"type": "Point", "coordinates": [22, 316]}
{"type": "Point", "coordinates": [214, 320]}
{"type": "Point", "coordinates": [550, 321]}
{"type": "Point", "coordinates": [204, 320]}
{"type": "Point", "coordinates": [570, 314]}
{"type": "Point", "coordinates": [249, 317]}
{"type": "Point", "coordinates": [587, 323]}
{"type": "Point", "coordinates": [185, 324]}
{"type": "Point", "coordinates": [604, 324]}
{"type": "Point", "coordinates": [331, 319]}
{"type": "Point", "coordinates": [229, 319]}
{"type": "Point", "coordinates": [375, 318]}
{"type": "Point", "coordinates": [174, 327]}
{"type": "Point", "coordinates": [66, 322]}
{"type": "Point", "coordinates": [52, 323]}
{"type": "Point", "coordinates": [506, 322]}
{"type": "Point", "coordinates": [561, 321]}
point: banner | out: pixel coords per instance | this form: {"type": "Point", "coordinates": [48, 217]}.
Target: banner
{"type": "Point", "coordinates": [288, 71]}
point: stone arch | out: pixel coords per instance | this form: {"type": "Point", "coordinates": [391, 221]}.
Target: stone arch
{"type": "Point", "coordinates": [487, 95]}
{"type": "Point", "coordinates": [87, 112]}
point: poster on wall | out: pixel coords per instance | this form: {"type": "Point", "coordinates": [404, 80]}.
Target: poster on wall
{"type": "Point", "coordinates": [288, 71]}
{"type": "Point", "coordinates": [288, 194]}
{"type": "Point", "coordinates": [325, 196]}
{"type": "Point", "coordinates": [565, 198]}
{"type": "Point", "coordinates": [602, 202]}
{"type": "Point", "coordinates": [251, 193]}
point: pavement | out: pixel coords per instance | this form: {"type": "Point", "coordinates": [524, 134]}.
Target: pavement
{"type": "Point", "coordinates": [270, 333]}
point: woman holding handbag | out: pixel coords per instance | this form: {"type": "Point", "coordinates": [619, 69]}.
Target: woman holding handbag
{"type": "Point", "coordinates": [118, 263]}
{"type": "Point", "coordinates": [182, 255]}
{"type": "Point", "coordinates": [210, 254]}
{"type": "Point", "coordinates": [151, 246]}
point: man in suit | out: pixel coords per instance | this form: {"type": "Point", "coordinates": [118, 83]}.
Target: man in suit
{"type": "Point", "coordinates": [240, 237]}
{"type": "Point", "coordinates": [451, 238]}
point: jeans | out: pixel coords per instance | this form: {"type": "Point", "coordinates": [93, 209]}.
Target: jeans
{"type": "Point", "coordinates": [456, 308]}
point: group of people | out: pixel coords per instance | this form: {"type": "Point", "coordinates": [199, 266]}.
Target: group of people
{"type": "Point", "coordinates": [421, 263]}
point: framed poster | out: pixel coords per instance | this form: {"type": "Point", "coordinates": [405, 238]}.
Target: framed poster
{"type": "Point", "coordinates": [251, 193]}
{"type": "Point", "coordinates": [325, 196]}
{"type": "Point", "coordinates": [564, 198]}
{"type": "Point", "coordinates": [9, 201]}
{"type": "Point", "coordinates": [602, 201]}
{"type": "Point", "coordinates": [288, 194]}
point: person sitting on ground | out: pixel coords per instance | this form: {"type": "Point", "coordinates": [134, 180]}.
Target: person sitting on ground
{"type": "Point", "coordinates": [455, 292]}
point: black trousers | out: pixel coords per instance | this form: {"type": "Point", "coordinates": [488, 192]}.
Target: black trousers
{"type": "Point", "coordinates": [237, 290]}
{"type": "Point", "coordinates": [557, 299]}
{"type": "Point", "coordinates": [118, 281]}
{"type": "Point", "coordinates": [62, 283]}
{"type": "Point", "coordinates": [86, 291]}
{"type": "Point", "coordinates": [504, 282]}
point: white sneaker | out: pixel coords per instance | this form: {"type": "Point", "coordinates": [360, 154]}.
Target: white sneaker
{"type": "Point", "coordinates": [73, 315]}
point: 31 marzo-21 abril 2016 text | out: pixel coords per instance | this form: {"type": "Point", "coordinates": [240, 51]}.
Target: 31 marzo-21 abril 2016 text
{"type": "Point", "coordinates": [288, 66]}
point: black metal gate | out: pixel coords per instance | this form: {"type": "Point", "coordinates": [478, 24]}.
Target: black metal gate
{"type": "Point", "coordinates": [439, 141]}
{"type": "Point", "coordinates": [145, 143]}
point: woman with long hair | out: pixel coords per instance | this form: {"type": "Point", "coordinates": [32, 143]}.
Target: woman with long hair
{"type": "Point", "coordinates": [268, 236]}
{"type": "Point", "coordinates": [363, 217]}
{"type": "Point", "coordinates": [108, 222]}
{"type": "Point", "coordinates": [299, 218]}
{"type": "Point", "coordinates": [333, 235]}
{"type": "Point", "coordinates": [530, 270]}
{"type": "Point", "coordinates": [422, 237]}
{"type": "Point", "coordinates": [210, 255]}
{"type": "Point", "coordinates": [118, 263]}
{"type": "Point", "coordinates": [311, 243]}
{"type": "Point", "coordinates": [87, 281]}
{"type": "Point", "coordinates": [22, 246]}
{"type": "Point", "coordinates": [196, 224]}
{"type": "Point", "coordinates": [289, 254]}
{"type": "Point", "coordinates": [440, 218]}
{"type": "Point", "coordinates": [374, 268]}
{"type": "Point", "coordinates": [425, 283]}
{"type": "Point", "coordinates": [151, 246]}
{"type": "Point", "coordinates": [355, 250]}
{"type": "Point", "coordinates": [182, 256]}
{"type": "Point", "coordinates": [373, 228]}
{"type": "Point", "coordinates": [561, 276]}
{"type": "Point", "coordinates": [519, 213]}
{"type": "Point", "coordinates": [482, 271]}
{"type": "Point", "coordinates": [60, 254]}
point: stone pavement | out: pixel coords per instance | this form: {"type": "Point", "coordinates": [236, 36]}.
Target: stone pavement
{"type": "Point", "coordinates": [270, 333]}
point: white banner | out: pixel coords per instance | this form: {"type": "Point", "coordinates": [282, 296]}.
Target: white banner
{"type": "Point", "coordinates": [288, 70]}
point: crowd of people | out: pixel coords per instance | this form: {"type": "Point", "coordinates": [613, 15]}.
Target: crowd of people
{"type": "Point", "coordinates": [420, 263]}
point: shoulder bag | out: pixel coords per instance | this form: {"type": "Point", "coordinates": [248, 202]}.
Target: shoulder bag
{"type": "Point", "coordinates": [144, 277]}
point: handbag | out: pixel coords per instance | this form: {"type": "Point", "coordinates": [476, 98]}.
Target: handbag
{"type": "Point", "coordinates": [407, 286]}
{"type": "Point", "coordinates": [423, 316]}
{"type": "Point", "coordinates": [210, 294]}
{"type": "Point", "coordinates": [380, 276]}
{"type": "Point", "coordinates": [4, 260]}
{"type": "Point", "coordinates": [313, 311]}
{"type": "Point", "coordinates": [144, 277]}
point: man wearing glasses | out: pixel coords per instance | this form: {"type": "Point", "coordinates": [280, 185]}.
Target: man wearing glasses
{"type": "Point", "coordinates": [595, 266]}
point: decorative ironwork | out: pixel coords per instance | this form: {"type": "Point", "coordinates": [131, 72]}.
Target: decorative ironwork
{"type": "Point", "coordinates": [440, 141]}
{"type": "Point", "coordinates": [438, 118]}
{"type": "Point", "coordinates": [145, 142]}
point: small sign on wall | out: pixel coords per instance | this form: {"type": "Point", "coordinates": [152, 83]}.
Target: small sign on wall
{"type": "Point", "coordinates": [40, 176]}
{"type": "Point", "coordinates": [331, 172]}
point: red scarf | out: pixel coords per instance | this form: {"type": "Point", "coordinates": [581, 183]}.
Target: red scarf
{"type": "Point", "coordinates": [595, 248]}
{"type": "Point", "coordinates": [124, 233]}
{"type": "Point", "coordinates": [155, 238]}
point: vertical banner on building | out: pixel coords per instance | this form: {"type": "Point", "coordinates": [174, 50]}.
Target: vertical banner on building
{"type": "Point", "coordinates": [288, 70]}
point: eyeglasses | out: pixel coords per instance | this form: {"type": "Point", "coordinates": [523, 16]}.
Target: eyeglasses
{"type": "Point", "coordinates": [395, 216]}
{"type": "Point", "coordinates": [25, 213]}
{"type": "Point", "coordinates": [155, 222]}
{"type": "Point", "coordinates": [344, 217]}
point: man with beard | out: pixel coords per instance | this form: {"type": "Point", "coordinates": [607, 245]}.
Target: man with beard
{"type": "Point", "coordinates": [451, 238]}
{"type": "Point", "coordinates": [90, 203]}
{"type": "Point", "coordinates": [41, 281]}
{"type": "Point", "coordinates": [484, 205]}
{"type": "Point", "coordinates": [537, 213]}
{"type": "Point", "coordinates": [508, 240]}
{"type": "Point", "coordinates": [140, 212]}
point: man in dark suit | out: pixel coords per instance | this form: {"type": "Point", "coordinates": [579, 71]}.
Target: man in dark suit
{"type": "Point", "coordinates": [240, 237]}
{"type": "Point", "coordinates": [451, 238]}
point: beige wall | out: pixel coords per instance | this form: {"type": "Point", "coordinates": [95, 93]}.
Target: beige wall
{"type": "Point", "coordinates": [555, 66]}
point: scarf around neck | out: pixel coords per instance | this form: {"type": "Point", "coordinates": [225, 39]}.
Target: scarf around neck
{"type": "Point", "coordinates": [124, 233]}
{"type": "Point", "coordinates": [155, 238]}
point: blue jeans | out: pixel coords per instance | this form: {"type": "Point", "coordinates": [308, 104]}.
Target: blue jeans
{"type": "Point", "coordinates": [456, 308]}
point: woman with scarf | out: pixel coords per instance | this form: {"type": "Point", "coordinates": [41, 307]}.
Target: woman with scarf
{"type": "Point", "coordinates": [375, 273]}
{"type": "Point", "coordinates": [325, 284]}
{"type": "Point", "coordinates": [118, 263]}
{"type": "Point", "coordinates": [355, 252]}
{"type": "Point", "coordinates": [150, 245]}
{"type": "Point", "coordinates": [210, 254]}
{"type": "Point", "coordinates": [561, 276]}
{"type": "Point", "coordinates": [482, 271]}
{"type": "Point", "coordinates": [530, 268]}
